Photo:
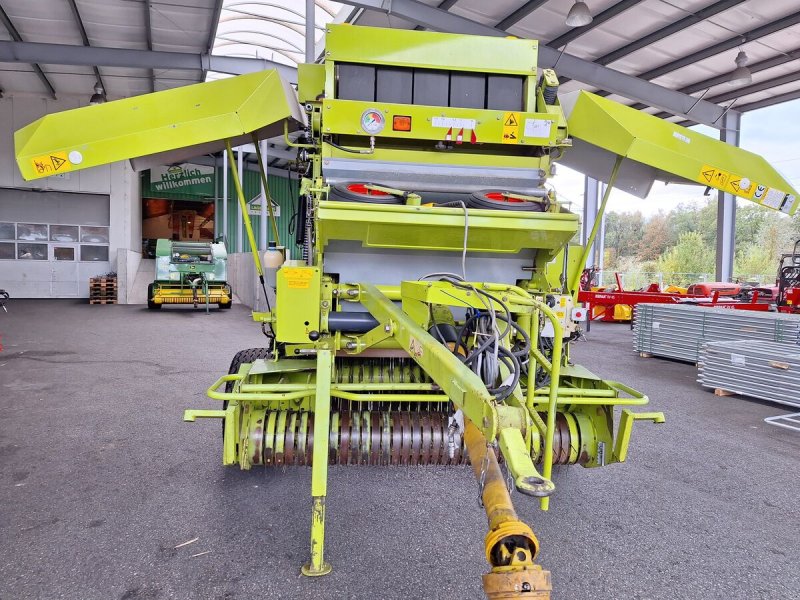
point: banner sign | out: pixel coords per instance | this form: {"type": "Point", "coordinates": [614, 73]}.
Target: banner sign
{"type": "Point", "coordinates": [186, 178]}
{"type": "Point", "coordinates": [254, 207]}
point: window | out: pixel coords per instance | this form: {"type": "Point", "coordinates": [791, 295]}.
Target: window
{"type": "Point", "coordinates": [7, 231]}
{"type": "Point", "coordinates": [63, 233]}
{"type": "Point", "coordinates": [63, 253]}
{"type": "Point", "coordinates": [94, 253]}
{"type": "Point", "coordinates": [31, 232]}
{"type": "Point", "coordinates": [32, 251]}
{"type": "Point", "coordinates": [94, 235]}
{"type": "Point", "coordinates": [7, 251]}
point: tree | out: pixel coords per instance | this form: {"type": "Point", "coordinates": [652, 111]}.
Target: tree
{"type": "Point", "coordinates": [655, 238]}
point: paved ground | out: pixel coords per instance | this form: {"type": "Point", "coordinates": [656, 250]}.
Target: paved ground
{"type": "Point", "coordinates": [100, 480]}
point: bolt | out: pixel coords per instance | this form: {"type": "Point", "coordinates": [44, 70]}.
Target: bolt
{"type": "Point", "coordinates": [351, 345]}
{"type": "Point", "coordinates": [526, 587]}
{"type": "Point", "coordinates": [324, 304]}
{"type": "Point", "coordinates": [352, 292]}
{"type": "Point", "coordinates": [387, 328]}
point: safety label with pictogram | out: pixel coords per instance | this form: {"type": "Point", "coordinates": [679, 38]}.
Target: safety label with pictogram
{"type": "Point", "coordinates": [51, 164]}
{"type": "Point", "coordinates": [511, 122]}
{"type": "Point", "coordinates": [740, 186]}
{"type": "Point", "coordinates": [714, 177]}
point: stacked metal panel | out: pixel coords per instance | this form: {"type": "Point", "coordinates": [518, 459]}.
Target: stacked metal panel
{"type": "Point", "coordinates": [679, 331]}
{"type": "Point", "coordinates": [755, 368]}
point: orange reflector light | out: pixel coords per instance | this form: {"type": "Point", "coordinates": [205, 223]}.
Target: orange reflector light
{"type": "Point", "coordinates": [401, 123]}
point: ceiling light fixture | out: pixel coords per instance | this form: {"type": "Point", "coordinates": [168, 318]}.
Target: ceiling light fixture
{"type": "Point", "coordinates": [741, 75]}
{"type": "Point", "coordinates": [579, 15]}
{"type": "Point", "coordinates": [99, 96]}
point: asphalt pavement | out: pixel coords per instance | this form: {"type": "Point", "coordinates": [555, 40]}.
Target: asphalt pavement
{"type": "Point", "coordinates": [100, 480]}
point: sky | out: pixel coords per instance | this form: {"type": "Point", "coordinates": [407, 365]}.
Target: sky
{"type": "Point", "coordinates": [773, 132]}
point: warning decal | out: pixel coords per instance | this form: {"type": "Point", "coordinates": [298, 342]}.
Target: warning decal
{"type": "Point", "coordinates": [511, 128]}
{"type": "Point", "coordinates": [51, 164]}
{"type": "Point", "coordinates": [741, 186]}
{"type": "Point", "coordinates": [298, 279]}
{"type": "Point", "coordinates": [714, 177]}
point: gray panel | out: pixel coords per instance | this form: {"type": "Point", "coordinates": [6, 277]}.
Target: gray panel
{"type": "Point", "coordinates": [354, 263]}
{"type": "Point", "coordinates": [431, 88]}
{"type": "Point", "coordinates": [394, 85]}
{"type": "Point", "coordinates": [504, 92]}
{"type": "Point", "coordinates": [434, 178]}
{"type": "Point", "coordinates": [467, 90]}
{"type": "Point", "coordinates": [53, 207]}
{"type": "Point", "coordinates": [356, 82]}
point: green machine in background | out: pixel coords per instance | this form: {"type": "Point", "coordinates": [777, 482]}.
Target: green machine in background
{"type": "Point", "coordinates": [430, 317]}
{"type": "Point", "coordinates": [190, 273]}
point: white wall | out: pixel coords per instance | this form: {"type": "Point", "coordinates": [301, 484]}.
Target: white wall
{"type": "Point", "coordinates": [117, 180]}
{"type": "Point", "coordinates": [244, 281]}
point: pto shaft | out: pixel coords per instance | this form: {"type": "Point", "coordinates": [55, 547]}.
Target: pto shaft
{"type": "Point", "coordinates": [510, 544]}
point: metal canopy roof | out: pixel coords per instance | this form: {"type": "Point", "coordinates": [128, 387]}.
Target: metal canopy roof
{"type": "Point", "coordinates": [185, 26]}
{"type": "Point", "coordinates": [684, 45]}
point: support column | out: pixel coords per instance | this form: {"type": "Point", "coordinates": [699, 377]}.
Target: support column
{"type": "Point", "coordinates": [311, 32]}
{"type": "Point", "coordinates": [225, 225]}
{"type": "Point", "coordinates": [262, 220]}
{"type": "Point", "coordinates": [726, 205]}
{"type": "Point", "coordinates": [591, 193]}
{"type": "Point", "coordinates": [600, 245]}
{"type": "Point", "coordinates": [239, 215]}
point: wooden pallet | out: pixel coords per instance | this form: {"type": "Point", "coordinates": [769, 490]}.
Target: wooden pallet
{"type": "Point", "coordinates": [103, 290]}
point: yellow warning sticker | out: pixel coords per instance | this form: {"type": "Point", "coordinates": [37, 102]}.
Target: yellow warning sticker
{"type": "Point", "coordinates": [298, 279]}
{"type": "Point", "coordinates": [740, 186]}
{"type": "Point", "coordinates": [714, 177]}
{"type": "Point", "coordinates": [511, 123]}
{"type": "Point", "coordinates": [51, 164]}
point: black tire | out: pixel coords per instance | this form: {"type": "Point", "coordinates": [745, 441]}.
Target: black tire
{"type": "Point", "coordinates": [228, 305]}
{"type": "Point", "coordinates": [491, 199]}
{"type": "Point", "coordinates": [240, 358]}
{"type": "Point", "coordinates": [150, 304]}
{"type": "Point", "coordinates": [344, 193]}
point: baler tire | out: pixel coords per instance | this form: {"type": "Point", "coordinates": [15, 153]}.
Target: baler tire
{"type": "Point", "coordinates": [150, 304]}
{"type": "Point", "coordinates": [240, 358]}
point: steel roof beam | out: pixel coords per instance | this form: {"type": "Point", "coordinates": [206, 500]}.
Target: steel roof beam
{"type": "Point", "coordinates": [720, 47]}
{"type": "Point", "coordinates": [65, 54]}
{"type": "Point", "coordinates": [680, 25]}
{"type": "Point", "coordinates": [794, 95]}
{"type": "Point", "coordinates": [85, 38]}
{"type": "Point", "coordinates": [520, 14]}
{"type": "Point", "coordinates": [762, 65]}
{"type": "Point", "coordinates": [12, 31]}
{"type": "Point", "coordinates": [570, 66]}
{"type": "Point", "coordinates": [148, 28]}
{"type": "Point", "coordinates": [598, 20]}
{"type": "Point", "coordinates": [212, 32]}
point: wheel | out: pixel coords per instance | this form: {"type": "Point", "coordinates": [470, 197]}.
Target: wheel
{"type": "Point", "coordinates": [501, 200]}
{"type": "Point", "coordinates": [358, 192]}
{"type": "Point", "coordinates": [240, 358]}
{"type": "Point", "coordinates": [150, 304]}
{"type": "Point", "coordinates": [226, 305]}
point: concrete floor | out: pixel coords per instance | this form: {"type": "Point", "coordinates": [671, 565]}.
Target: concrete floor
{"type": "Point", "coordinates": [100, 480]}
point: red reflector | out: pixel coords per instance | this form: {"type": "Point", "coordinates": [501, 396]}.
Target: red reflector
{"type": "Point", "coordinates": [361, 188]}
{"type": "Point", "coordinates": [401, 123]}
{"type": "Point", "coordinates": [500, 197]}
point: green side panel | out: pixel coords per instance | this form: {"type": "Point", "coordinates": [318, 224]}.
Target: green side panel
{"type": "Point", "coordinates": [433, 50]}
{"type": "Point", "coordinates": [163, 248]}
{"type": "Point", "coordinates": [656, 149]}
{"type": "Point", "coordinates": [310, 82]}
{"type": "Point", "coordinates": [159, 128]}
{"type": "Point", "coordinates": [437, 228]}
